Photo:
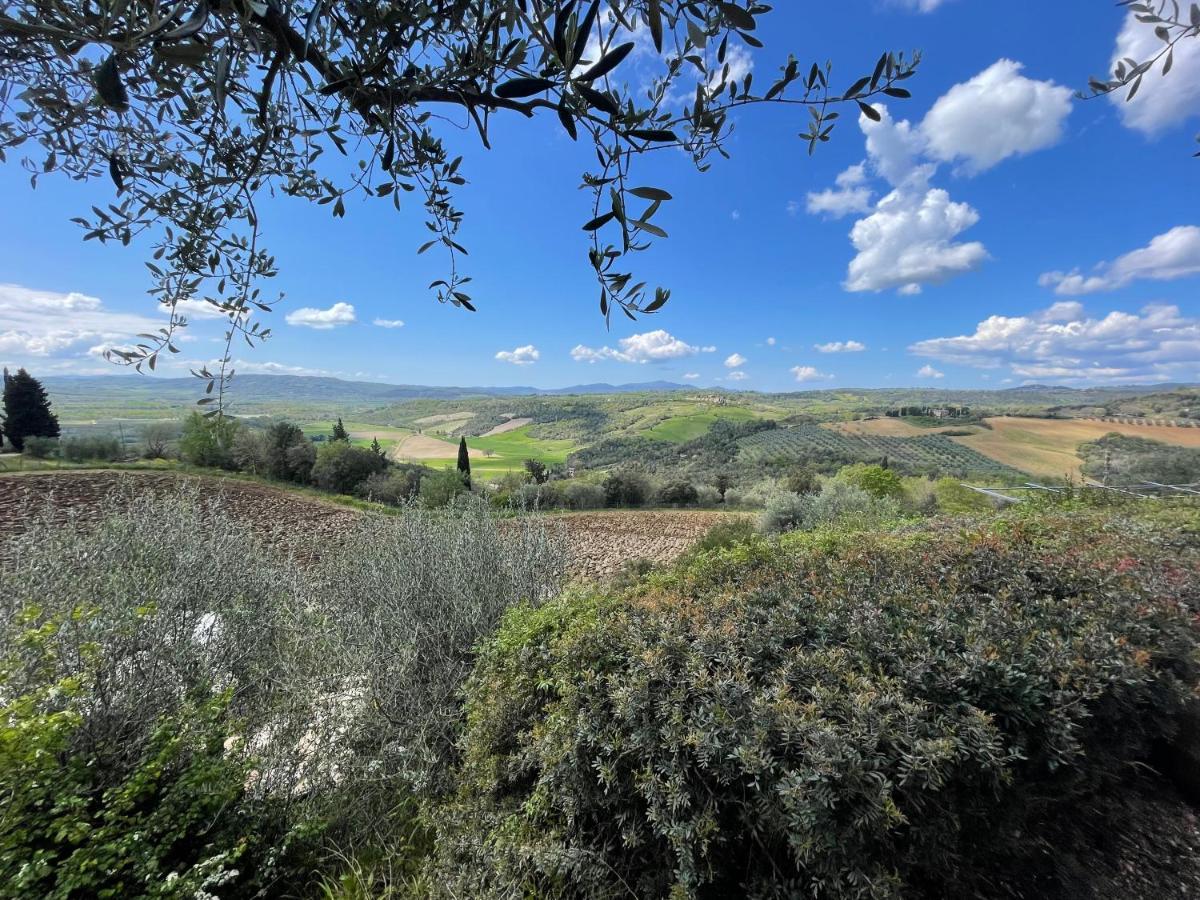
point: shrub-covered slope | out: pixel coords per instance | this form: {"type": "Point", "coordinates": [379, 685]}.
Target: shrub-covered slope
{"type": "Point", "coordinates": [832, 715]}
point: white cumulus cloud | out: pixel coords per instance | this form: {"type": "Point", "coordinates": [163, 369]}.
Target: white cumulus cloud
{"type": "Point", "coordinates": [997, 114]}
{"type": "Point", "coordinates": [1064, 343]}
{"type": "Point", "coordinates": [910, 237]}
{"type": "Point", "coordinates": [909, 240]}
{"type": "Point", "coordinates": [734, 361]}
{"type": "Point", "coordinates": [737, 376]}
{"type": "Point", "coordinates": [691, 376]}
{"type": "Point", "coordinates": [928, 371]}
{"type": "Point", "coordinates": [49, 324]}
{"type": "Point", "coordinates": [652, 346]}
{"type": "Point", "coordinates": [388, 323]}
{"type": "Point", "coordinates": [850, 196]}
{"type": "Point", "coordinates": [339, 314]}
{"type": "Point", "coordinates": [1171, 255]}
{"type": "Point", "coordinates": [521, 356]}
{"type": "Point", "coordinates": [1160, 102]}
{"type": "Point", "coordinates": [809, 373]}
{"type": "Point", "coordinates": [840, 347]}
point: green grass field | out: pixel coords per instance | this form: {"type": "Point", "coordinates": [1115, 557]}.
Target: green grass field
{"type": "Point", "coordinates": [509, 452]}
{"type": "Point", "coordinates": [688, 426]}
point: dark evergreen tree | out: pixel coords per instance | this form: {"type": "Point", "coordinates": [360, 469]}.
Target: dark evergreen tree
{"type": "Point", "coordinates": [375, 446]}
{"type": "Point", "coordinates": [464, 462]}
{"type": "Point", "coordinates": [26, 409]}
{"type": "Point", "coordinates": [339, 431]}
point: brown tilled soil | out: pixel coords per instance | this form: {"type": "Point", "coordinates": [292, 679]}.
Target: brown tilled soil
{"type": "Point", "coordinates": [302, 524]}
{"type": "Point", "coordinates": [600, 542]}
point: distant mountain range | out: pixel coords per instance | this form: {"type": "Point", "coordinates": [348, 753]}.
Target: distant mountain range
{"type": "Point", "coordinates": [302, 388]}
{"type": "Point", "coordinates": [135, 391]}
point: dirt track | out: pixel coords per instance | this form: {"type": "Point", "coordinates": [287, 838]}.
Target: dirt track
{"type": "Point", "coordinates": [600, 542]}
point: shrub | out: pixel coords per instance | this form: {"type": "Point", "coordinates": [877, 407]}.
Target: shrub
{"type": "Point", "coordinates": [290, 456]}
{"type": "Point", "coordinates": [875, 480]}
{"type": "Point", "coordinates": [536, 496]}
{"type": "Point", "coordinates": [208, 441]}
{"type": "Point", "coordinates": [40, 447]}
{"type": "Point", "coordinates": [133, 649]}
{"type": "Point", "coordinates": [157, 438]}
{"type": "Point", "coordinates": [627, 488]}
{"type": "Point", "coordinates": [952, 497]}
{"type": "Point", "coordinates": [341, 467]}
{"type": "Point", "coordinates": [725, 535]}
{"type": "Point", "coordinates": [103, 448]}
{"type": "Point", "coordinates": [440, 488]}
{"type": "Point", "coordinates": [176, 697]}
{"type": "Point", "coordinates": [837, 504]}
{"type": "Point", "coordinates": [834, 718]}
{"type": "Point", "coordinates": [583, 495]}
{"type": "Point", "coordinates": [677, 493]}
{"type": "Point", "coordinates": [396, 485]}
{"type": "Point", "coordinates": [802, 480]}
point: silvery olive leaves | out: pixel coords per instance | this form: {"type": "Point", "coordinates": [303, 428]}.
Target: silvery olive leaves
{"type": "Point", "coordinates": [198, 109]}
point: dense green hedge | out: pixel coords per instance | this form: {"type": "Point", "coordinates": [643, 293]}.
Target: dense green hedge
{"type": "Point", "coordinates": [822, 716]}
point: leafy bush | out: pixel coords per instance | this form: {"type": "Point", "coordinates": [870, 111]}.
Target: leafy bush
{"type": "Point", "coordinates": [830, 717]}
{"type": "Point", "coordinates": [536, 496]}
{"type": "Point", "coordinates": [583, 495]}
{"type": "Point", "coordinates": [1123, 459]}
{"type": "Point", "coordinates": [678, 493]}
{"type": "Point", "coordinates": [802, 480]}
{"type": "Point", "coordinates": [626, 488]}
{"type": "Point", "coordinates": [178, 698]}
{"type": "Point", "coordinates": [290, 456]}
{"type": "Point", "coordinates": [838, 503]}
{"type": "Point", "coordinates": [875, 480]}
{"type": "Point", "coordinates": [133, 651]}
{"type": "Point", "coordinates": [725, 535]}
{"type": "Point", "coordinates": [440, 488]}
{"type": "Point", "coordinates": [341, 467]}
{"type": "Point", "coordinates": [397, 484]}
{"type": "Point", "coordinates": [103, 448]}
{"type": "Point", "coordinates": [40, 447]}
{"type": "Point", "coordinates": [208, 441]}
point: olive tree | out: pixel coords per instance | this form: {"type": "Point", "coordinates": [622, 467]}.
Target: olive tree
{"type": "Point", "coordinates": [198, 109]}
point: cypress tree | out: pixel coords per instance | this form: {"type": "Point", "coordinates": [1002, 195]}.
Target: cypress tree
{"type": "Point", "coordinates": [339, 431]}
{"type": "Point", "coordinates": [376, 447]}
{"type": "Point", "coordinates": [464, 462]}
{"type": "Point", "coordinates": [26, 409]}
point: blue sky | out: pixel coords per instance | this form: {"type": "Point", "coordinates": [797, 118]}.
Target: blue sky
{"type": "Point", "coordinates": [991, 231]}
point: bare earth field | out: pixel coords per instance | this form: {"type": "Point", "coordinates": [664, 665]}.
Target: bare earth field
{"type": "Point", "coordinates": [301, 525]}
{"type": "Point", "coordinates": [1047, 447]}
{"type": "Point", "coordinates": [510, 425]}
{"type": "Point", "coordinates": [599, 542]}
{"type": "Point", "coordinates": [891, 427]}
{"type": "Point", "coordinates": [602, 542]}
{"type": "Point", "coordinates": [422, 446]}
{"type": "Point", "coordinates": [1042, 447]}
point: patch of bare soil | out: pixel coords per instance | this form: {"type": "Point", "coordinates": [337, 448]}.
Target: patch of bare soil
{"type": "Point", "coordinates": [305, 527]}
{"type": "Point", "coordinates": [602, 542]}
{"type": "Point", "coordinates": [599, 543]}
{"type": "Point", "coordinates": [422, 446]}
{"type": "Point", "coordinates": [510, 425]}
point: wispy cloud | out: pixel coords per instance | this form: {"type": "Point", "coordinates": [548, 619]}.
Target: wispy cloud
{"type": "Point", "coordinates": [840, 347]}
{"type": "Point", "coordinates": [1169, 256]}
